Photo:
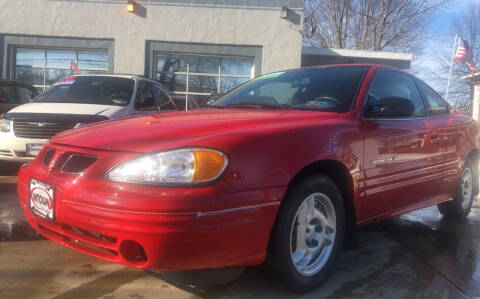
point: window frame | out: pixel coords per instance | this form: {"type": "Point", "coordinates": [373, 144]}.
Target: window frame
{"type": "Point", "coordinates": [12, 41]}
{"type": "Point", "coordinates": [365, 104]}
{"type": "Point", "coordinates": [219, 75]}
{"type": "Point", "coordinates": [202, 49]}
{"type": "Point", "coordinates": [425, 99]}
{"type": "Point", "coordinates": [45, 66]}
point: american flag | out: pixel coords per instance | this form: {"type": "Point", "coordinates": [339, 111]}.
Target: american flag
{"type": "Point", "coordinates": [464, 54]}
{"type": "Point", "coordinates": [74, 68]}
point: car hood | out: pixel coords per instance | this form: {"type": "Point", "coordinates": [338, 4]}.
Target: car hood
{"type": "Point", "coordinates": [153, 132]}
{"type": "Point", "coordinates": [67, 108]}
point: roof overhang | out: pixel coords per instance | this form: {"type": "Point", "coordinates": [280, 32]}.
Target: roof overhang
{"type": "Point", "coordinates": [320, 56]}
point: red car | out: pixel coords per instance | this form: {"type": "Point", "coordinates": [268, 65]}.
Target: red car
{"type": "Point", "coordinates": [285, 167]}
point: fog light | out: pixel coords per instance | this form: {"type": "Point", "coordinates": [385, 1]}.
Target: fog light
{"type": "Point", "coordinates": [133, 252]}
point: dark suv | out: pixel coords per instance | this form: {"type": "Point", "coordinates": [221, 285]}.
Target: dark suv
{"type": "Point", "coordinates": [14, 93]}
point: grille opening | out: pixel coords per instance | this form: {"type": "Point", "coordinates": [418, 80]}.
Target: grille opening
{"type": "Point", "coordinates": [78, 243]}
{"type": "Point", "coordinates": [78, 163]}
{"type": "Point", "coordinates": [133, 252]}
{"type": "Point", "coordinates": [47, 157]}
{"type": "Point", "coordinates": [93, 234]}
{"type": "Point", "coordinates": [91, 246]}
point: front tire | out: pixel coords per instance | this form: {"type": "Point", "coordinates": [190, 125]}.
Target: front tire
{"type": "Point", "coordinates": [309, 233]}
{"type": "Point", "coordinates": [460, 206]}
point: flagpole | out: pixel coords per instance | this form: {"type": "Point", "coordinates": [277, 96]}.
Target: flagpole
{"type": "Point", "coordinates": [451, 66]}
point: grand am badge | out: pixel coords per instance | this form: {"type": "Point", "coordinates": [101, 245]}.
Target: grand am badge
{"type": "Point", "coordinates": [384, 160]}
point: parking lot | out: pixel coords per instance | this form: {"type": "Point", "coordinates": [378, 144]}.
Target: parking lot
{"type": "Point", "coordinates": [418, 255]}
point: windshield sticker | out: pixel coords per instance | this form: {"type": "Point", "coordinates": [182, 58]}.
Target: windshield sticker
{"type": "Point", "coordinates": [66, 80]}
{"type": "Point", "coordinates": [269, 76]}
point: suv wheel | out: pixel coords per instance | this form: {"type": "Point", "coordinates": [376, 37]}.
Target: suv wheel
{"type": "Point", "coordinates": [309, 233]}
{"type": "Point", "coordinates": [460, 206]}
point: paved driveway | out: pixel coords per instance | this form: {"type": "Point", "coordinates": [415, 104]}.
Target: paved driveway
{"type": "Point", "coordinates": [417, 255]}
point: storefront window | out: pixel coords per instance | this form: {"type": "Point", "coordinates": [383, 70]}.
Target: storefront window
{"type": "Point", "coordinates": [43, 67]}
{"type": "Point", "coordinates": [196, 76]}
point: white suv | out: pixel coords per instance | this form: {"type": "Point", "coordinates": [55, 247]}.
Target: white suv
{"type": "Point", "coordinates": [72, 102]}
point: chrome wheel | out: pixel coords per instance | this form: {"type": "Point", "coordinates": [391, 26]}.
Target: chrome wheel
{"type": "Point", "coordinates": [466, 186]}
{"type": "Point", "coordinates": [312, 234]}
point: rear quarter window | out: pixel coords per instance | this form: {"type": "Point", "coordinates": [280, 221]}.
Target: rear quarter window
{"type": "Point", "coordinates": [436, 104]}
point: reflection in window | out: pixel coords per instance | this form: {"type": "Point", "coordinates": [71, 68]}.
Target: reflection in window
{"type": "Point", "coordinates": [43, 67]}
{"type": "Point", "coordinates": [193, 77]}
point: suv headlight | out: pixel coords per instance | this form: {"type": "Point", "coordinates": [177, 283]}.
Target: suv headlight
{"type": "Point", "coordinates": [5, 125]}
{"type": "Point", "coordinates": [183, 166]}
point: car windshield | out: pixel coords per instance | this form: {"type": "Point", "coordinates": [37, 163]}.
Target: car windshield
{"type": "Point", "coordinates": [325, 89]}
{"type": "Point", "coordinates": [90, 90]}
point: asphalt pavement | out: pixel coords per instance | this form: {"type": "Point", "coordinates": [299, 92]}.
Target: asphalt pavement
{"type": "Point", "coordinates": [416, 255]}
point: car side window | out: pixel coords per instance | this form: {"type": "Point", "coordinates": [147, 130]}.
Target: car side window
{"type": "Point", "coordinates": [25, 95]}
{"type": "Point", "coordinates": [162, 99]}
{"type": "Point", "coordinates": [436, 104]}
{"type": "Point", "coordinates": [396, 86]}
{"type": "Point", "coordinates": [144, 99]}
{"type": "Point", "coordinates": [7, 95]}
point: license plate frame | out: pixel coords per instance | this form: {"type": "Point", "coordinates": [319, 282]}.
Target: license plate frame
{"type": "Point", "coordinates": [32, 149]}
{"type": "Point", "coordinates": [41, 199]}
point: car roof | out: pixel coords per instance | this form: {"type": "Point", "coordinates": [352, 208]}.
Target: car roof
{"type": "Point", "coordinates": [127, 76]}
{"type": "Point", "coordinates": [369, 65]}
{"type": "Point", "coordinates": [373, 65]}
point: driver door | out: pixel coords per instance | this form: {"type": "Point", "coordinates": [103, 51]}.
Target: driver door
{"type": "Point", "coordinates": [401, 164]}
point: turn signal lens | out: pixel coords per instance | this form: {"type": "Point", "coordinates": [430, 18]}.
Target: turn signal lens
{"type": "Point", "coordinates": [208, 165]}
{"type": "Point", "coordinates": [183, 166]}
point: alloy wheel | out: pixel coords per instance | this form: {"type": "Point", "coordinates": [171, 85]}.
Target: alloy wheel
{"type": "Point", "coordinates": [312, 234]}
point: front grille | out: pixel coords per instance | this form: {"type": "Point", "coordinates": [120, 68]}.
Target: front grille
{"type": "Point", "coordinates": [39, 130]}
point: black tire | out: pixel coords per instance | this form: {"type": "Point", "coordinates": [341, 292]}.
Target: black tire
{"type": "Point", "coordinates": [455, 209]}
{"type": "Point", "coordinates": [281, 259]}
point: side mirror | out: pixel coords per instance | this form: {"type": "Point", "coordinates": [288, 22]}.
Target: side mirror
{"type": "Point", "coordinates": [390, 107]}
{"type": "Point", "coordinates": [146, 103]}
{"type": "Point", "coordinates": [213, 97]}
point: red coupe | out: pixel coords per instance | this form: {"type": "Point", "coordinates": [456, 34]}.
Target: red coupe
{"type": "Point", "coordinates": [284, 168]}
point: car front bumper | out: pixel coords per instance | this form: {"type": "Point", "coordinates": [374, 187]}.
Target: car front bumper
{"type": "Point", "coordinates": [164, 236]}
{"type": "Point", "coordinates": [13, 148]}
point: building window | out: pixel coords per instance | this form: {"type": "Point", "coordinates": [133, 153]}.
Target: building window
{"type": "Point", "coordinates": [197, 76]}
{"type": "Point", "coordinates": [43, 67]}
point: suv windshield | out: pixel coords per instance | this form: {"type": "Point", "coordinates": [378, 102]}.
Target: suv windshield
{"type": "Point", "coordinates": [325, 89]}
{"type": "Point", "coordinates": [90, 90]}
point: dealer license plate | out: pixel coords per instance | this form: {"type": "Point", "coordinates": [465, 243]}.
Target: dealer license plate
{"type": "Point", "coordinates": [33, 149]}
{"type": "Point", "coordinates": [42, 199]}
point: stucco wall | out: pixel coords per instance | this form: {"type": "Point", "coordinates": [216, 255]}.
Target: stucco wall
{"type": "Point", "coordinates": [160, 21]}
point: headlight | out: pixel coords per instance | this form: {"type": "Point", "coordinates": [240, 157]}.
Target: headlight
{"type": "Point", "coordinates": [5, 125]}
{"type": "Point", "coordinates": [183, 166]}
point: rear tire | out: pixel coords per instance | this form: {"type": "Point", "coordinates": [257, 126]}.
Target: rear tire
{"type": "Point", "coordinates": [460, 206]}
{"type": "Point", "coordinates": [309, 233]}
